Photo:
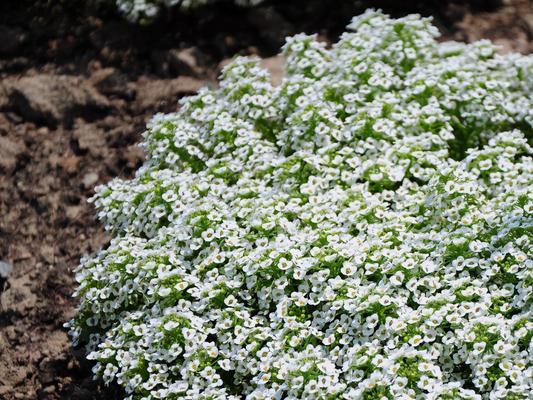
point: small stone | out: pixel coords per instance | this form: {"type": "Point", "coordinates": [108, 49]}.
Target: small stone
{"type": "Point", "coordinates": [73, 212]}
{"type": "Point", "coordinates": [48, 253]}
{"type": "Point", "coordinates": [5, 269]}
{"type": "Point", "coordinates": [49, 389]}
{"type": "Point", "coordinates": [89, 180]}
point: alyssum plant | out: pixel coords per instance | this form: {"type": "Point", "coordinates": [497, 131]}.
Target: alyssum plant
{"type": "Point", "coordinates": [146, 10]}
{"type": "Point", "coordinates": [361, 231]}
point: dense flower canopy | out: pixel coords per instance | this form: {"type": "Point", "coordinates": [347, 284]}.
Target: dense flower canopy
{"type": "Point", "coordinates": [361, 231]}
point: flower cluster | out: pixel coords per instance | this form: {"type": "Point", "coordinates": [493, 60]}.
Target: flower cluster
{"type": "Point", "coordinates": [139, 10]}
{"type": "Point", "coordinates": [360, 231]}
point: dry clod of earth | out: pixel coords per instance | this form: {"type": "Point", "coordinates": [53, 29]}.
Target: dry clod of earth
{"type": "Point", "coordinates": [159, 92]}
{"type": "Point", "coordinates": [53, 99]}
{"type": "Point", "coordinates": [111, 82]}
{"type": "Point", "coordinates": [89, 138]}
{"type": "Point", "coordinates": [10, 149]}
{"type": "Point", "coordinates": [177, 62]}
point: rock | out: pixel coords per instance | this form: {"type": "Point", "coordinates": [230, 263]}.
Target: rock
{"type": "Point", "coordinates": [73, 212]}
{"type": "Point", "coordinates": [5, 272]}
{"type": "Point", "coordinates": [10, 149]}
{"type": "Point", "coordinates": [5, 269]}
{"type": "Point", "coordinates": [43, 130]}
{"type": "Point", "coordinates": [11, 39]}
{"type": "Point", "coordinates": [274, 65]}
{"type": "Point", "coordinates": [89, 180]}
{"type": "Point", "coordinates": [53, 99]}
{"type": "Point", "coordinates": [49, 390]}
{"type": "Point", "coordinates": [152, 94]}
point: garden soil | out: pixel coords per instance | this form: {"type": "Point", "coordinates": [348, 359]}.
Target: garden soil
{"type": "Point", "coordinates": [77, 87]}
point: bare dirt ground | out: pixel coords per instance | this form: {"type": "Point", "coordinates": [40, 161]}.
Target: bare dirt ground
{"type": "Point", "coordinates": [76, 89]}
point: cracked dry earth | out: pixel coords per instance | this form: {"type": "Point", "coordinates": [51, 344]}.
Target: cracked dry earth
{"type": "Point", "coordinates": [73, 103]}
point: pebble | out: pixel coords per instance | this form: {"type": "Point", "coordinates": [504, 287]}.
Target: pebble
{"type": "Point", "coordinates": [5, 269]}
{"type": "Point", "coordinates": [89, 180]}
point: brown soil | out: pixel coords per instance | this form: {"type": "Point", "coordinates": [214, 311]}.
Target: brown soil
{"type": "Point", "coordinates": [76, 90]}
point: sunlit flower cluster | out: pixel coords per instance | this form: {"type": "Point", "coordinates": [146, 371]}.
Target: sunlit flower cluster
{"type": "Point", "coordinates": [360, 231]}
{"type": "Point", "coordinates": [145, 10]}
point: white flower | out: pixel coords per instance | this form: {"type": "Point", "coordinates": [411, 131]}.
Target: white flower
{"type": "Point", "coordinates": [479, 347]}
{"type": "Point", "coordinates": [264, 379]}
{"type": "Point", "coordinates": [397, 278]}
{"type": "Point", "coordinates": [230, 301]}
{"type": "Point", "coordinates": [348, 269]}
{"type": "Point", "coordinates": [284, 264]}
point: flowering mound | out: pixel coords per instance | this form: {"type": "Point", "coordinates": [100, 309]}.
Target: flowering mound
{"type": "Point", "coordinates": [138, 10]}
{"type": "Point", "coordinates": [361, 231]}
